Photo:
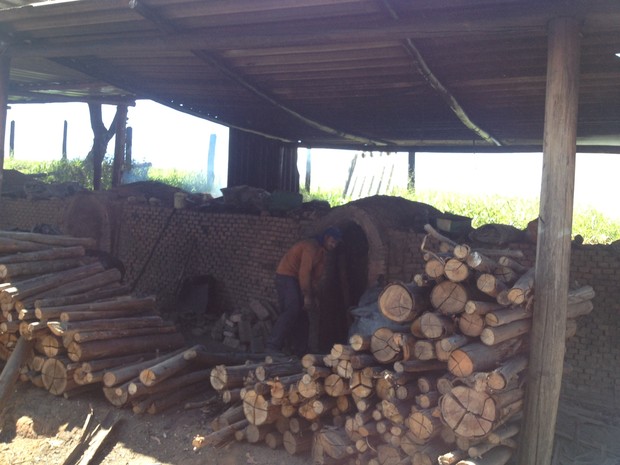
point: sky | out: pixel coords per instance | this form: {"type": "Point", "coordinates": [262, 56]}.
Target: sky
{"type": "Point", "coordinates": [171, 139]}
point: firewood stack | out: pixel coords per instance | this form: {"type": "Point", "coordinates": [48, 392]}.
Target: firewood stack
{"type": "Point", "coordinates": [79, 317]}
{"type": "Point", "coordinates": [449, 391]}
{"type": "Point", "coordinates": [246, 329]}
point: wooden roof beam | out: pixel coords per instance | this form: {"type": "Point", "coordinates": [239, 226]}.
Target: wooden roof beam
{"type": "Point", "coordinates": [436, 84]}
{"type": "Point", "coordinates": [168, 28]}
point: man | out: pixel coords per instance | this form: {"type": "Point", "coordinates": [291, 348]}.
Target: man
{"type": "Point", "coordinates": [297, 278]}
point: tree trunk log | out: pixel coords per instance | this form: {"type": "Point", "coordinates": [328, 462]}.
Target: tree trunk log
{"type": "Point", "coordinates": [402, 302]}
{"type": "Point", "coordinates": [494, 335]}
{"type": "Point", "coordinates": [258, 410]}
{"type": "Point", "coordinates": [523, 288]}
{"type": "Point", "coordinates": [456, 271]}
{"type": "Point", "coordinates": [123, 346]}
{"type": "Point", "coordinates": [449, 297]}
{"type": "Point", "coordinates": [479, 357]}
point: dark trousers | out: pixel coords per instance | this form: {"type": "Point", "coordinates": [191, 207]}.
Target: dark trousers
{"type": "Point", "coordinates": [292, 324]}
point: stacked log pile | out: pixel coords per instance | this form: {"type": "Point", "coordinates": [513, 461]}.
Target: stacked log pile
{"type": "Point", "coordinates": [449, 391]}
{"type": "Point", "coordinates": [246, 329]}
{"type": "Point", "coordinates": [79, 319]}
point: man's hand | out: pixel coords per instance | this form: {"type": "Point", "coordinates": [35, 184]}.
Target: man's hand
{"type": "Point", "coordinates": [308, 303]}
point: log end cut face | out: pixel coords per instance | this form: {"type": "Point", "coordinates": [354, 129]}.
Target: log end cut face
{"type": "Point", "coordinates": [469, 413]}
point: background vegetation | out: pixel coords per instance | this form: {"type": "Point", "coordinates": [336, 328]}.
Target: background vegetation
{"type": "Point", "coordinates": [591, 224]}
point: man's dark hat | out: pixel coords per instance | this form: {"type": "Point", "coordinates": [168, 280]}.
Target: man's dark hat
{"type": "Point", "coordinates": [334, 232]}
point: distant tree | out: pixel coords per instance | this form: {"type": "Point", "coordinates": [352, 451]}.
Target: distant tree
{"type": "Point", "coordinates": [102, 137]}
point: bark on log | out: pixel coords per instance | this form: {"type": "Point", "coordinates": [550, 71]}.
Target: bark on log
{"type": "Point", "coordinates": [10, 372]}
{"type": "Point", "coordinates": [220, 437]}
{"type": "Point", "coordinates": [360, 342]}
{"type": "Point", "coordinates": [45, 254]}
{"type": "Point", "coordinates": [297, 444]}
{"type": "Point", "coordinates": [87, 336]}
{"type": "Point", "coordinates": [481, 262]}
{"type": "Point", "coordinates": [118, 303]}
{"type": "Point", "coordinates": [490, 284]}
{"type": "Point", "coordinates": [102, 293]}
{"type": "Point", "coordinates": [86, 284]}
{"type": "Point", "coordinates": [10, 271]}
{"type": "Point", "coordinates": [263, 372]}
{"type": "Point", "coordinates": [523, 288]}
{"type": "Point", "coordinates": [508, 372]}
{"type": "Point", "coordinates": [50, 239]}
{"type": "Point", "coordinates": [79, 352]}
{"type": "Point", "coordinates": [481, 307]}
{"type": "Point", "coordinates": [164, 369]}
{"type": "Point", "coordinates": [229, 377]}
{"type": "Point", "coordinates": [497, 456]}
{"type": "Point", "coordinates": [479, 357]}
{"type": "Point", "coordinates": [117, 374]}
{"type": "Point", "coordinates": [506, 315]}
{"type": "Point", "coordinates": [492, 336]}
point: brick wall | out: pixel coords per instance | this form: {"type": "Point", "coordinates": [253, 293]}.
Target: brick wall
{"type": "Point", "coordinates": [161, 246]}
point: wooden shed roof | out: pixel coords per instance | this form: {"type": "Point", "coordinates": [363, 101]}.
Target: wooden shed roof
{"type": "Point", "coordinates": [381, 74]}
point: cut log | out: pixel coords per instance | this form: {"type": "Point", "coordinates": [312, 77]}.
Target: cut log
{"type": "Point", "coordinates": [490, 284]}
{"type": "Point", "coordinates": [471, 324]}
{"type": "Point", "coordinates": [87, 336]}
{"type": "Point", "coordinates": [10, 372]}
{"type": "Point", "coordinates": [10, 271]}
{"type": "Point", "coordinates": [402, 302]}
{"type": "Point", "coordinates": [230, 377]}
{"type": "Point", "coordinates": [57, 376]}
{"type": "Point", "coordinates": [481, 307]}
{"type": "Point", "coordinates": [79, 352]}
{"type": "Point", "coordinates": [506, 315]}
{"type": "Point", "coordinates": [417, 366]}
{"type": "Point", "coordinates": [218, 438]}
{"type": "Point", "coordinates": [117, 374]}
{"type": "Point", "coordinates": [86, 284]}
{"type": "Point", "coordinates": [384, 347]}
{"type": "Point", "coordinates": [336, 386]}
{"type": "Point", "coordinates": [106, 292]}
{"type": "Point", "coordinates": [523, 288]}
{"type": "Point", "coordinates": [297, 444]}
{"type": "Point", "coordinates": [508, 372]}
{"type": "Point", "coordinates": [456, 271]}
{"type": "Point", "coordinates": [494, 335]}
{"type": "Point", "coordinates": [497, 456]}
{"type": "Point", "coordinates": [164, 369]}
{"type": "Point", "coordinates": [59, 328]}
{"type": "Point", "coordinates": [46, 282]}
{"type": "Point", "coordinates": [480, 357]}
{"type": "Point", "coordinates": [423, 425]}
{"type": "Point", "coordinates": [263, 372]}
{"type": "Point", "coordinates": [450, 343]}
{"type": "Point", "coordinates": [580, 295]}
{"type": "Point", "coordinates": [481, 262]}
{"type": "Point", "coordinates": [434, 326]}
{"type": "Point", "coordinates": [258, 410]}
{"type": "Point", "coordinates": [449, 297]}
{"type": "Point", "coordinates": [360, 342]}
{"type": "Point", "coordinates": [575, 310]}
{"type": "Point", "coordinates": [118, 303]}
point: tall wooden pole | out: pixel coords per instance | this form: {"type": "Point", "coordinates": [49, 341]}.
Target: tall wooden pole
{"type": "Point", "coordinates": [5, 67]}
{"type": "Point", "coordinates": [553, 250]}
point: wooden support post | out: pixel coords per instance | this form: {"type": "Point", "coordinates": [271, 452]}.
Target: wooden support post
{"type": "Point", "coordinates": [5, 67]}
{"type": "Point", "coordinates": [554, 236]}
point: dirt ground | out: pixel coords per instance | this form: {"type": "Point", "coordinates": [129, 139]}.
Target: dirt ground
{"type": "Point", "coordinates": [37, 427]}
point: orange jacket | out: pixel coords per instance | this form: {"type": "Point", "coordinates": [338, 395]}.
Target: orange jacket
{"type": "Point", "coordinates": [306, 262]}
